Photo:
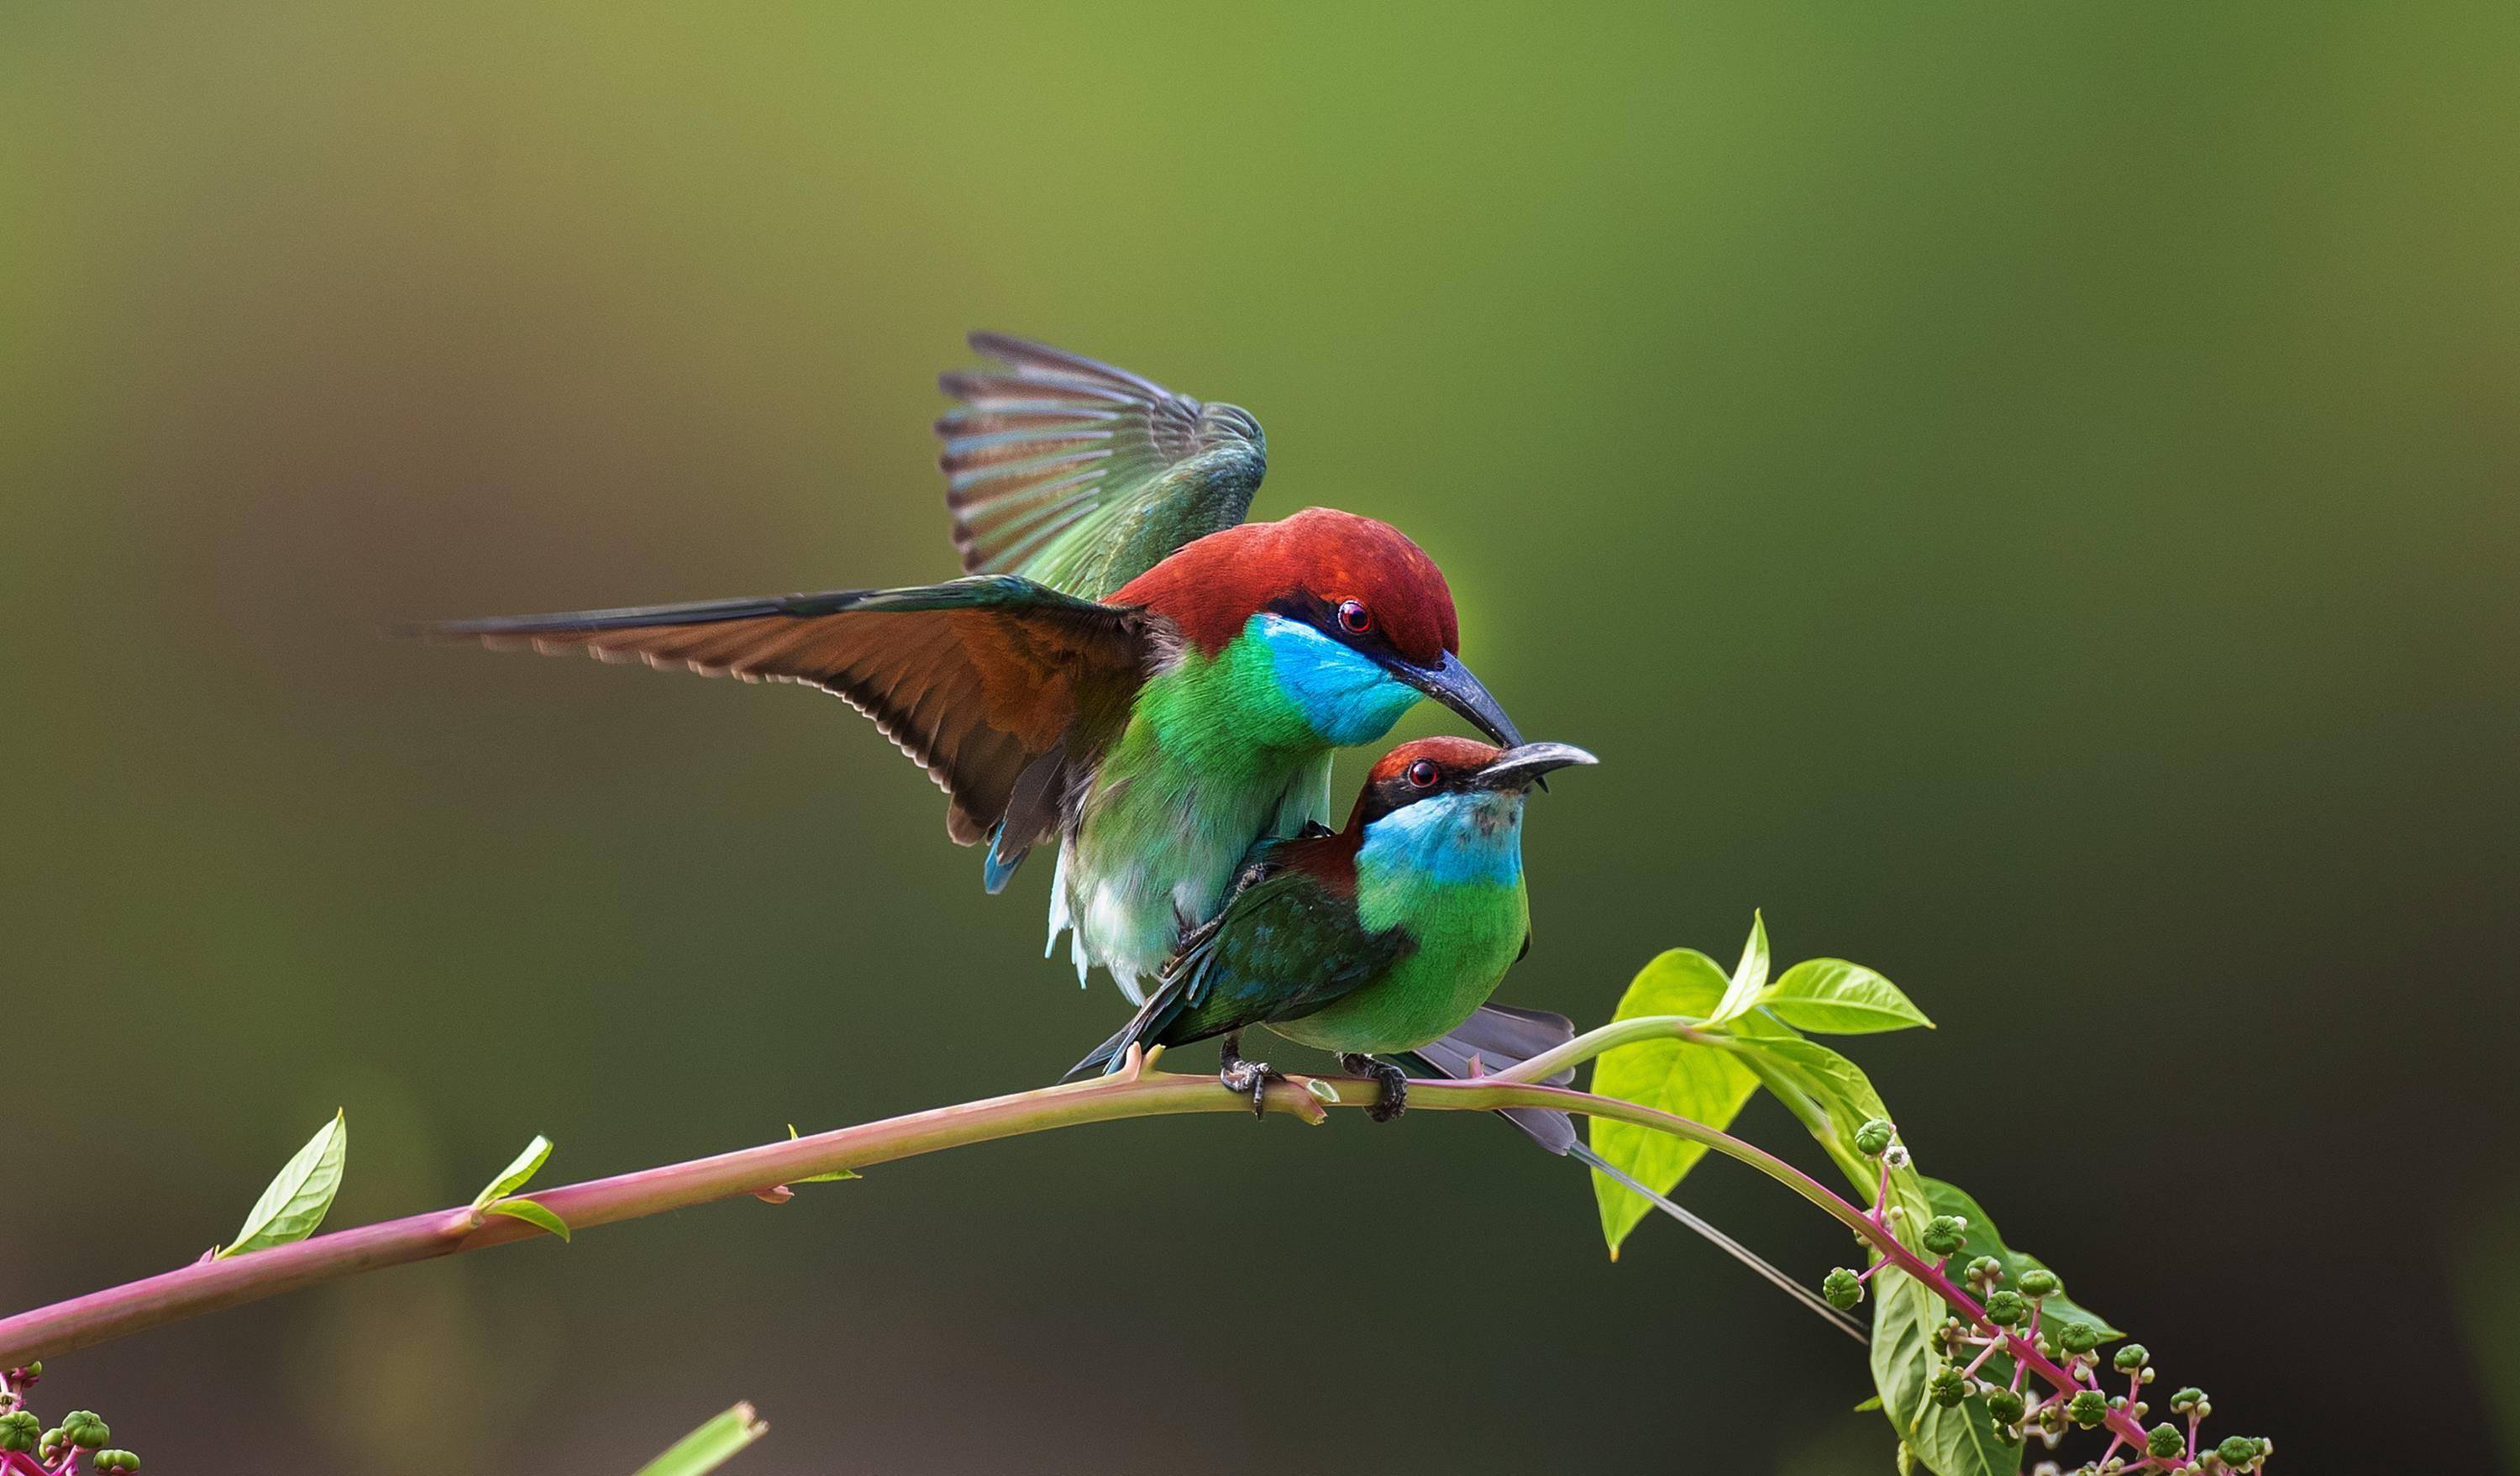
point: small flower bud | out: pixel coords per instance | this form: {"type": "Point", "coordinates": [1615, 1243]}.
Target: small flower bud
{"type": "Point", "coordinates": [2077, 1337]}
{"type": "Point", "coordinates": [1945, 1234]}
{"type": "Point", "coordinates": [1874, 1137]}
{"type": "Point", "coordinates": [2186, 1400]}
{"type": "Point", "coordinates": [2132, 1357]}
{"type": "Point", "coordinates": [1947, 1388]}
{"type": "Point", "coordinates": [1896, 1156]}
{"type": "Point", "coordinates": [2087, 1408]}
{"type": "Point", "coordinates": [2007, 1309]}
{"type": "Point", "coordinates": [115, 1461]}
{"type": "Point", "coordinates": [2039, 1284]}
{"type": "Point", "coordinates": [1986, 1269]}
{"type": "Point", "coordinates": [81, 1428]}
{"type": "Point", "coordinates": [2165, 1442]}
{"type": "Point", "coordinates": [1841, 1288]}
{"type": "Point", "coordinates": [2006, 1406]}
{"type": "Point", "coordinates": [50, 1447]}
{"type": "Point", "coordinates": [2238, 1451]}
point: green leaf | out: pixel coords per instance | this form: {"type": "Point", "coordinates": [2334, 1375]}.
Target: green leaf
{"type": "Point", "coordinates": [1983, 1239]}
{"type": "Point", "coordinates": [514, 1175]}
{"type": "Point", "coordinates": [295, 1201]}
{"type": "Point", "coordinates": [1836, 997]}
{"type": "Point", "coordinates": [834, 1177]}
{"type": "Point", "coordinates": [1702, 1083]}
{"type": "Point", "coordinates": [1868, 1405]}
{"type": "Point", "coordinates": [531, 1212]}
{"type": "Point", "coordinates": [1749, 977]}
{"type": "Point", "coordinates": [710, 1446]}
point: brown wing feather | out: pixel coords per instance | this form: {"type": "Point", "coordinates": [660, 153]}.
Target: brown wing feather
{"type": "Point", "coordinates": [974, 679]}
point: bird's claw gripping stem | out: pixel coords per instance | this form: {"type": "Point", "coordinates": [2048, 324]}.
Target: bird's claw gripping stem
{"type": "Point", "coordinates": [1394, 1082]}
{"type": "Point", "coordinates": [1249, 1078]}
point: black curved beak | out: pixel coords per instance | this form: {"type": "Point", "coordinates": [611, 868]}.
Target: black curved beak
{"type": "Point", "coordinates": [1452, 685]}
{"type": "Point", "coordinates": [1520, 767]}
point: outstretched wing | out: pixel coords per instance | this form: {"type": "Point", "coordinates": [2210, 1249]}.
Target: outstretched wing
{"type": "Point", "coordinates": [1083, 476]}
{"type": "Point", "coordinates": [996, 686]}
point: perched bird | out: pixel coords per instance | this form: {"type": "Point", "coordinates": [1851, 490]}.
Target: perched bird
{"type": "Point", "coordinates": [1377, 939]}
{"type": "Point", "coordinates": [1386, 939]}
{"type": "Point", "coordinates": [1127, 668]}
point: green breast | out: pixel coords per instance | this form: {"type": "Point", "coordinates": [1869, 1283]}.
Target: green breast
{"type": "Point", "coordinates": [1467, 934]}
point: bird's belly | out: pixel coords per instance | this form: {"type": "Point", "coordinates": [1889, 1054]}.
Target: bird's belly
{"type": "Point", "coordinates": [1429, 993]}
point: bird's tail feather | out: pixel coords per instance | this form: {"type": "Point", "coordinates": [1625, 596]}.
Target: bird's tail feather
{"type": "Point", "coordinates": [1499, 1038]}
{"type": "Point", "coordinates": [1726, 1243]}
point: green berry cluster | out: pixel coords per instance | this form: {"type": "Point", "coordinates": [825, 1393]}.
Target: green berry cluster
{"type": "Point", "coordinates": [57, 1450]}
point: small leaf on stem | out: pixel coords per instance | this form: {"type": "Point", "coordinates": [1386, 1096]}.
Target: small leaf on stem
{"type": "Point", "coordinates": [293, 1203]}
{"type": "Point", "coordinates": [834, 1177]}
{"type": "Point", "coordinates": [531, 1212]}
{"type": "Point", "coordinates": [516, 1175]}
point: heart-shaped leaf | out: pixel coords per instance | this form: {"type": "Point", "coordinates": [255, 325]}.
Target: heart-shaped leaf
{"type": "Point", "coordinates": [1702, 1083]}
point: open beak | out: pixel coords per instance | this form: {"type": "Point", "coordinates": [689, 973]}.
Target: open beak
{"type": "Point", "coordinates": [1520, 767]}
{"type": "Point", "coordinates": [1452, 685]}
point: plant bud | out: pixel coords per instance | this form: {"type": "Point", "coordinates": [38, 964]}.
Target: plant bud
{"type": "Point", "coordinates": [2077, 1337]}
{"type": "Point", "coordinates": [1945, 1234]}
{"type": "Point", "coordinates": [2039, 1284]}
{"type": "Point", "coordinates": [2087, 1408]}
{"type": "Point", "coordinates": [2132, 1357]}
{"type": "Point", "coordinates": [19, 1430]}
{"type": "Point", "coordinates": [2006, 1406]}
{"type": "Point", "coordinates": [1947, 1388]}
{"type": "Point", "coordinates": [2164, 1442]}
{"type": "Point", "coordinates": [1841, 1288]}
{"type": "Point", "coordinates": [2238, 1451]}
{"type": "Point", "coordinates": [81, 1428]}
{"type": "Point", "coordinates": [2007, 1309]}
{"type": "Point", "coordinates": [115, 1461]}
{"type": "Point", "coordinates": [2186, 1400]}
{"type": "Point", "coordinates": [1872, 1137]}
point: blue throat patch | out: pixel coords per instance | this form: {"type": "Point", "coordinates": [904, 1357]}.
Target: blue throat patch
{"type": "Point", "coordinates": [1450, 839]}
{"type": "Point", "coordinates": [1345, 698]}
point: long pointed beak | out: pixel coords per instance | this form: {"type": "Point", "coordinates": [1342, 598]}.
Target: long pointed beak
{"type": "Point", "coordinates": [1452, 685]}
{"type": "Point", "coordinates": [1520, 767]}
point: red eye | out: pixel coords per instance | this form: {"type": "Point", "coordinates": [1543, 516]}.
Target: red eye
{"type": "Point", "coordinates": [1354, 618]}
{"type": "Point", "coordinates": [1423, 773]}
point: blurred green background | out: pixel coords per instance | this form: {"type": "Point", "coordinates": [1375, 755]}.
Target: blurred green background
{"type": "Point", "coordinates": [2024, 496]}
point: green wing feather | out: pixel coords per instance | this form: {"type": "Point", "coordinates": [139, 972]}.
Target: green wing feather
{"type": "Point", "coordinates": [1082, 476]}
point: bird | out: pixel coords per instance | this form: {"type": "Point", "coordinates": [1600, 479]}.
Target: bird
{"type": "Point", "coordinates": [1378, 939]}
{"type": "Point", "coordinates": [1126, 667]}
{"type": "Point", "coordinates": [1382, 944]}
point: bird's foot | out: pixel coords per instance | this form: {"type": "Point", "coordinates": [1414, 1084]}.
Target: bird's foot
{"type": "Point", "coordinates": [1394, 1082]}
{"type": "Point", "coordinates": [1249, 1078]}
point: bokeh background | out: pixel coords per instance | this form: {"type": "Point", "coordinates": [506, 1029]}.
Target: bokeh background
{"type": "Point", "coordinates": [2025, 497]}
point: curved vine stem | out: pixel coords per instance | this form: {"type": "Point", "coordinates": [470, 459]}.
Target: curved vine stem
{"type": "Point", "coordinates": [1135, 1092]}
